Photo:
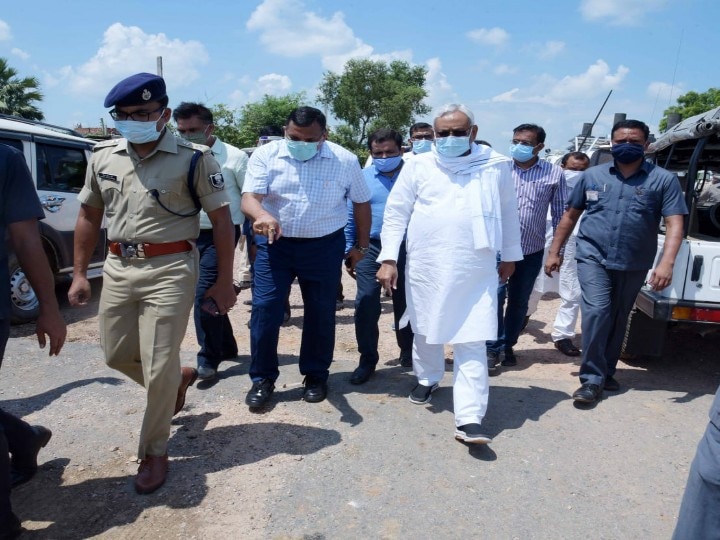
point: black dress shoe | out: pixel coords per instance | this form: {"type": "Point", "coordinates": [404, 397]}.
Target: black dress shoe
{"type": "Point", "coordinates": [260, 393]}
{"type": "Point", "coordinates": [315, 389]}
{"type": "Point", "coordinates": [611, 385]}
{"type": "Point", "coordinates": [12, 529]}
{"type": "Point", "coordinates": [362, 374]}
{"type": "Point", "coordinates": [23, 468]}
{"type": "Point", "coordinates": [509, 358]}
{"type": "Point", "coordinates": [587, 393]}
{"type": "Point", "coordinates": [566, 347]}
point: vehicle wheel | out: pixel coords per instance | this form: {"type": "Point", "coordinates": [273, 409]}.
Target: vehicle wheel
{"type": "Point", "coordinates": [25, 306]}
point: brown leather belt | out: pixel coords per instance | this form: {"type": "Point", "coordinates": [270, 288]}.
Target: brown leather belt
{"type": "Point", "coordinates": [143, 249]}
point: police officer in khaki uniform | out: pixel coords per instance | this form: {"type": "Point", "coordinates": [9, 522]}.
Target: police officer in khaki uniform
{"type": "Point", "coordinates": [141, 184]}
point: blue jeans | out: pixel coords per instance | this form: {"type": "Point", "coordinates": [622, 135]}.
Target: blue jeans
{"type": "Point", "coordinates": [607, 298]}
{"type": "Point", "coordinates": [214, 333]}
{"type": "Point", "coordinates": [316, 262]}
{"type": "Point", "coordinates": [517, 290]}
{"type": "Point", "coordinates": [367, 306]}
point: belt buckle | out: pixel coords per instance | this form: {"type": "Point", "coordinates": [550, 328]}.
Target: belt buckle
{"type": "Point", "coordinates": [132, 250]}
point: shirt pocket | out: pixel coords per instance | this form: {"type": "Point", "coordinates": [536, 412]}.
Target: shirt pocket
{"type": "Point", "coordinates": [645, 201]}
{"type": "Point", "coordinates": [327, 194]}
{"type": "Point", "coordinates": [111, 193]}
{"type": "Point", "coordinates": [162, 193]}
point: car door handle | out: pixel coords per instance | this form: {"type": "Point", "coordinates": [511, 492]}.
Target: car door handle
{"type": "Point", "coordinates": [52, 203]}
{"type": "Point", "coordinates": [696, 267]}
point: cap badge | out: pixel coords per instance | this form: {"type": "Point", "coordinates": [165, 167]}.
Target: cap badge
{"type": "Point", "coordinates": [146, 95]}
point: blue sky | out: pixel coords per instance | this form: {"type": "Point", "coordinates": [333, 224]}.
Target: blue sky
{"type": "Point", "coordinates": [550, 63]}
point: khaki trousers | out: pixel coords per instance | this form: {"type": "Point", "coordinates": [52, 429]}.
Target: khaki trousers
{"type": "Point", "coordinates": [144, 310]}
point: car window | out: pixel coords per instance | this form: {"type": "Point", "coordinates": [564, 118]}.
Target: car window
{"type": "Point", "coordinates": [60, 168]}
{"type": "Point", "coordinates": [15, 143]}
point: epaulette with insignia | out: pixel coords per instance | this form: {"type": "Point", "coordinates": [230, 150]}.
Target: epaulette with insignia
{"type": "Point", "coordinates": [106, 144]}
{"type": "Point", "coordinates": [200, 147]}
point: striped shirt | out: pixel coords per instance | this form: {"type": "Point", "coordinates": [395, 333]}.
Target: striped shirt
{"type": "Point", "coordinates": [539, 187]}
{"type": "Point", "coordinates": [308, 198]}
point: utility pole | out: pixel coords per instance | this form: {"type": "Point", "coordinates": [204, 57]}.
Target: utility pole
{"type": "Point", "coordinates": [159, 66]}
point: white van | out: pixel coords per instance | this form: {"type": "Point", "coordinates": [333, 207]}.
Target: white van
{"type": "Point", "coordinates": [57, 158]}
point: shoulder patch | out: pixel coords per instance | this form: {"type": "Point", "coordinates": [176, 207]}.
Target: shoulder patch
{"type": "Point", "coordinates": [106, 144]}
{"type": "Point", "coordinates": [217, 182]}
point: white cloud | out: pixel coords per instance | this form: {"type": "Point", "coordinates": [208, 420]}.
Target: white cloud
{"type": "Point", "coordinates": [546, 90]}
{"type": "Point", "coordinates": [272, 84]}
{"type": "Point", "coordinates": [506, 97]}
{"type": "Point", "coordinates": [19, 53]}
{"type": "Point", "coordinates": [128, 49]}
{"type": "Point", "coordinates": [288, 29]}
{"type": "Point", "coordinates": [504, 69]}
{"type": "Point", "coordinates": [489, 36]}
{"type": "Point", "coordinates": [620, 12]}
{"type": "Point", "coordinates": [664, 93]}
{"type": "Point", "coordinates": [438, 88]}
{"type": "Point", "coordinates": [5, 33]}
{"type": "Point", "coordinates": [550, 49]}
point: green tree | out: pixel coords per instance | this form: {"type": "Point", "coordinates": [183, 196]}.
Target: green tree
{"type": "Point", "coordinates": [269, 111]}
{"type": "Point", "coordinates": [371, 94]}
{"type": "Point", "coordinates": [17, 96]}
{"type": "Point", "coordinates": [691, 104]}
{"type": "Point", "coordinates": [226, 122]}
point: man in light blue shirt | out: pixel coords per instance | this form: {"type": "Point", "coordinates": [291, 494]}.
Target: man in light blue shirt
{"type": "Point", "coordinates": [386, 150]}
{"type": "Point", "coordinates": [296, 192]}
{"type": "Point", "coordinates": [214, 332]}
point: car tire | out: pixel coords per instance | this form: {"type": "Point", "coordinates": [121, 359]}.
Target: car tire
{"type": "Point", "coordinates": [24, 303]}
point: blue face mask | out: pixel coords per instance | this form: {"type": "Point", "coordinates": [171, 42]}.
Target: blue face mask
{"type": "Point", "coordinates": [628, 152]}
{"type": "Point", "coordinates": [387, 164]}
{"type": "Point", "coordinates": [452, 146]}
{"type": "Point", "coordinates": [138, 132]}
{"type": "Point", "coordinates": [301, 150]}
{"type": "Point", "coordinates": [421, 146]}
{"type": "Point", "coordinates": [521, 152]}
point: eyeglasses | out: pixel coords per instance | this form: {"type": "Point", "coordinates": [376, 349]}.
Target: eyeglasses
{"type": "Point", "coordinates": [138, 116]}
{"type": "Point", "coordinates": [453, 132]}
{"type": "Point", "coordinates": [524, 143]}
{"type": "Point", "coordinates": [422, 137]}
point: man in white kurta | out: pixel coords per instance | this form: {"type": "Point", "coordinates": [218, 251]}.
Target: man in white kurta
{"type": "Point", "coordinates": [459, 208]}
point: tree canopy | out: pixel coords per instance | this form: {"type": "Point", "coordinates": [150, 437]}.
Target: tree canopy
{"type": "Point", "coordinates": [18, 96]}
{"type": "Point", "coordinates": [371, 94]}
{"type": "Point", "coordinates": [692, 103]}
{"type": "Point", "coordinates": [269, 111]}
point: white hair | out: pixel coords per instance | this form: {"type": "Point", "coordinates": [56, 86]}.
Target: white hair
{"type": "Point", "coordinates": [455, 107]}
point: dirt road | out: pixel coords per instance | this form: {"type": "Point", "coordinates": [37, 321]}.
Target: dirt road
{"type": "Point", "coordinates": [366, 462]}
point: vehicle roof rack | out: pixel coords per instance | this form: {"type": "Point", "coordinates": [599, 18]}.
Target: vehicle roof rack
{"type": "Point", "coordinates": [59, 129]}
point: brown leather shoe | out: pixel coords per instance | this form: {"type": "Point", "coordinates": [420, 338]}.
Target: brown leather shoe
{"type": "Point", "coordinates": [189, 376]}
{"type": "Point", "coordinates": [151, 474]}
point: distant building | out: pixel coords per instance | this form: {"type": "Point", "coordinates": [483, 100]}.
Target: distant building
{"type": "Point", "coordinates": [97, 133]}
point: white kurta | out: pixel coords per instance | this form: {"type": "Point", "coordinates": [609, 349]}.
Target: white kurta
{"type": "Point", "coordinates": [456, 223]}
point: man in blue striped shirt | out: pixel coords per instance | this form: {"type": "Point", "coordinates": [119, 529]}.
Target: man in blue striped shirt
{"type": "Point", "coordinates": [538, 185]}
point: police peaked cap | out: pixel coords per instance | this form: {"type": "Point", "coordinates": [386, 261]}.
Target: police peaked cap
{"type": "Point", "coordinates": [137, 89]}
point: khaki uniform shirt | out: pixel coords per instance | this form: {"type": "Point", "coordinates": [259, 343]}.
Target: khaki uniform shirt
{"type": "Point", "coordinates": [122, 183]}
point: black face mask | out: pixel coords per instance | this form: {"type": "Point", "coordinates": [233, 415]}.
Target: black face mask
{"type": "Point", "coordinates": [628, 152]}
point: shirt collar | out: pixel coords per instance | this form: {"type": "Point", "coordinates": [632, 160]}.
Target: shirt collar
{"type": "Point", "coordinates": [645, 167]}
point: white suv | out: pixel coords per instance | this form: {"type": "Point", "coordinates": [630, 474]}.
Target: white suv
{"type": "Point", "coordinates": [57, 158]}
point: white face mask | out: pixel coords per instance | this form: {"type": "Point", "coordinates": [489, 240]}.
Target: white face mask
{"type": "Point", "coordinates": [571, 177]}
{"type": "Point", "coordinates": [138, 132]}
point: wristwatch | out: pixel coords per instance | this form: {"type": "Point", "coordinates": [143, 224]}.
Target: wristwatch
{"type": "Point", "coordinates": [362, 250]}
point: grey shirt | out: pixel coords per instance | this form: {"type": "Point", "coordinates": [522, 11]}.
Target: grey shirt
{"type": "Point", "coordinates": [622, 215]}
